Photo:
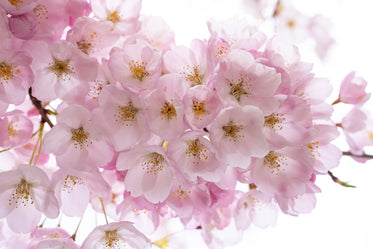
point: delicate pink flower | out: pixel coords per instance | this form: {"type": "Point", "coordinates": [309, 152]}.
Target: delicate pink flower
{"type": "Point", "coordinates": [123, 15]}
{"type": "Point", "coordinates": [352, 90]}
{"type": "Point", "coordinates": [25, 195]}
{"type": "Point", "coordinates": [15, 76]}
{"type": "Point", "coordinates": [289, 124]}
{"type": "Point", "coordinates": [150, 172]}
{"type": "Point", "coordinates": [202, 105]}
{"type": "Point", "coordinates": [190, 64]}
{"type": "Point", "coordinates": [165, 114]}
{"type": "Point", "coordinates": [238, 134]}
{"type": "Point", "coordinates": [61, 71]}
{"type": "Point", "coordinates": [92, 37]}
{"type": "Point", "coordinates": [75, 141]}
{"type": "Point", "coordinates": [157, 32]}
{"type": "Point", "coordinates": [74, 189]}
{"type": "Point", "coordinates": [195, 157]}
{"type": "Point", "coordinates": [116, 235]}
{"type": "Point", "coordinates": [241, 80]}
{"type": "Point", "coordinates": [16, 129]}
{"type": "Point", "coordinates": [254, 207]}
{"type": "Point", "coordinates": [326, 154]}
{"type": "Point", "coordinates": [121, 117]}
{"type": "Point", "coordinates": [137, 64]}
{"type": "Point", "coordinates": [283, 172]}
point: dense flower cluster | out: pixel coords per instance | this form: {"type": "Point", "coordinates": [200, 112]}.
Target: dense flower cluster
{"type": "Point", "coordinates": [221, 134]}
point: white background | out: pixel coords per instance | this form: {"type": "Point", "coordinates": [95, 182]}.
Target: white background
{"type": "Point", "coordinates": [343, 218]}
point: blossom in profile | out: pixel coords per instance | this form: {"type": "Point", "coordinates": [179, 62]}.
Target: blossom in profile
{"type": "Point", "coordinates": [116, 235]}
{"type": "Point", "coordinates": [352, 90]}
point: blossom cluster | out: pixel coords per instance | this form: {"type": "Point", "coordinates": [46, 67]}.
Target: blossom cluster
{"type": "Point", "coordinates": [221, 134]}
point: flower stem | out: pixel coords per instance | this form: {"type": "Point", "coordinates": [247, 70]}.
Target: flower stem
{"type": "Point", "coordinates": [336, 180]}
{"type": "Point", "coordinates": [77, 228]}
{"type": "Point", "coordinates": [103, 209]}
{"type": "Point", "coordinates": [43, 112]}
{"type": "Point", "coordinates": [364, 156]}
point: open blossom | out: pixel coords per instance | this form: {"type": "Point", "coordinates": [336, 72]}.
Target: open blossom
{"type": "Point", "coordinates": [352, 90]}
{"type": "Point", "coordinates": [190, 64]}
{"type": "Point", "coordinates": [16, 129]}
{"type": "Point", "coordinates": [150, 172]}
{"type": "Point", "coordinates": [74, 189]}
{"type": "Point", "coordinates": [116, 235]}
{"type": "Point", "coordinates": [137, 64]}
{"type": "Point", "coordinates": [61, 70]}
{"type": "Point", "coordinates": [123, 15]}
{"type": "Point", "coordinates": [121, 116]}
{"type": "Point", "coordinates": [195, 156]}
{"type": "Point", "coordinates": [241, 80]}
{"type": "Point", "coordinates": [15, 76]}
{"type": "Point", "coordinates": [25, 195]}
{"type": "Point", "coordinates": [238, 134]}
{"type": "Point", "coordinates": [76, 141]}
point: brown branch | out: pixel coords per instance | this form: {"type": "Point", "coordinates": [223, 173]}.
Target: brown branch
{"type": "Point", "coordinates": [43, 112]}
{"type": "Point", "coordinates": [365, 156]}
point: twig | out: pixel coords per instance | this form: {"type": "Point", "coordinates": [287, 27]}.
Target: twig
{"type": "Point", "coordinates": [336, 180]}
{"type": "Point", "coordinates": [365, 156]}
{"type": "Point", "coordinates": [43, 112]}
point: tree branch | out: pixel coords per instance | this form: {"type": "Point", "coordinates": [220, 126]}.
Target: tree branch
{"type": "Point", "coordinates": [365, 156]}
{"type": "Point", "coordinates": [43, 112]}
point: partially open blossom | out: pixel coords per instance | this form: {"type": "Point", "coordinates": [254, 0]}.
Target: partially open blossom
{"type": "Point", "coordinates": [352, 90]}
{"type": "Point", "coordinates": [150, 172]}
{"type": "Point", "coordinates": [25, 195]}
{"type": "Point", "coordinates": [116, 235]}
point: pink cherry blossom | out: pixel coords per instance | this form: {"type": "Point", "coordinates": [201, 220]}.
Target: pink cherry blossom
{"type": "Point", "coordinates": [25, 195]}
{"type": "Point", "coordinates": [202, 105]}
{"type": "Point", "coordinates": [352, 90]}
{"type": "Point", "coordinates": [121, 116]}
{"type": "Point", "coordinates": [15, 76]}
{"type": "Point", "coordinates": [76, 141]}
{"type": "Point", "coordinates": [137, 64]}
{"type": "Point", "coordinates": [123, 15]}
{"type": "Point", "coordinates": [238, 134]}
{"type": "Point", "coordinates": [116, 235]}
{"type": "Point", "coordinates": [195, 156]}
{"type": "Point", "coordinates": [61, 71]}
{"type": "Point", "coordinates": [240, 80]}
{"type": "Point", "coordinates": [150, 172]}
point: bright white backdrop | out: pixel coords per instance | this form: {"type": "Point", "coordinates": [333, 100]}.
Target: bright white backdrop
{"type": "Point", "coordinates": [343, 218]}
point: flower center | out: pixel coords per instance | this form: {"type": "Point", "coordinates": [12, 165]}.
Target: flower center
{"type": "Point", "coordinates": [192, 75]}
{"type": "Point", "coordinates": [41, 11]}
{"type": "Point", "coordinates": [126, 114]}
{"type": "Point", "coordinates": [61, 68]}
{"type": "Point", "coordinates": [113, 17]}
{"type": "Point", "coordinates": [154, 163]}
{"type": "Point", "coordinates": [138, 70]}
{"type": "Point", "coordinates": [199, 108]}
{"type": "Point", "coordinates": [274, 121]}
{"type": "Point", "coordinates": [197, 150]}
{"type": "Point", "coordinates": [15, 2]}
{"type": "Point", "coordinates": [274, 161]}
{"type": "Point", "coordinates": [71, 181]}
{"type": "Point", "coordinates": [233, 131]}
{"type": "Point", "coordinates": [7, 72]}
{"type": "Point", "coordinates": [113, 240]}
{"type": "Point", "coordinates": [314, 146]}
{"type": "Point", "coordinates": [181, 194]}
{"type": "Point", "coordinates": [22, 194]}
{"type": "Point", "coordinates": [168, 110]}
{"type": "Point", "coordinates": [11, 131]}
{"type": "Point", "coordinates": [79, 137]}
{"type": "Point", "coordinates": [240, 88]}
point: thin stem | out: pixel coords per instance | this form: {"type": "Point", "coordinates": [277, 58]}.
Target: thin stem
{"type": "Point", "coordinates": [103, 209]}
{"type": "Point", "coordinates": [1, 151]}
{"type": "Point", "coordinates": [42, 224]}
{"type": "Point", "coordinates": [35, 147]}
{"type": "Point", "coordinates": [336, 180]}
{"type": "Point", "coordinates": [77, 228]}
{"type": "Point", "coordinates": [336, 101]}
{"type": "Point", "coordinates": [40, 142]}
{"type": "Point", "coordinates": [364, 156]}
